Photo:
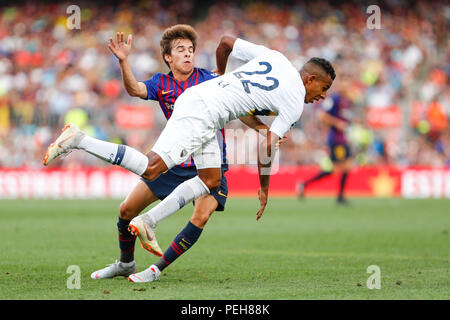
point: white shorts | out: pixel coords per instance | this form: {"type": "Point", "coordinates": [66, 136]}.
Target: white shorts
{"type": "Point", "coordinates": [189, 132]}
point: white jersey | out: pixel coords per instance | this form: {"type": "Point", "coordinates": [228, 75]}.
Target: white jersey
{"type": "Point", "coordinates": [267, 84]}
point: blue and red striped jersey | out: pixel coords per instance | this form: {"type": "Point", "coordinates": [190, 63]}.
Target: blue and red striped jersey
{"type": "Point", "coordinates": [165, 89]}
{"type": "Point", "coordinates": [336, 105]}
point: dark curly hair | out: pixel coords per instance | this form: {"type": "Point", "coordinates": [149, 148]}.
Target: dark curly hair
{"type": "Point", "coordinates": [325, 65]}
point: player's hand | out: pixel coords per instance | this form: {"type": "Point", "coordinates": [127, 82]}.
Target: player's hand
{"type": "Point", "coordinates": [119, 48]}
{"type": "Point", "coordinates": [280, 141]}
{"type": "Point", "coordinates": [262, 195]}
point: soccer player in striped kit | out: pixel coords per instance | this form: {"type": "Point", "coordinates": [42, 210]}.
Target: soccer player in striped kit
{"type": "Point", "coordinates": [335, 113]}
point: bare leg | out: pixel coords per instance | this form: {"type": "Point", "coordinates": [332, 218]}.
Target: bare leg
{"type": "Point", "coordinates": [211, 177]}
{"type": "Point", "coordinates": [203, 209]}
{"type": "Point", "coordinates": [136, 201]}
{"type": "Point", "coordinates": [155, 166]}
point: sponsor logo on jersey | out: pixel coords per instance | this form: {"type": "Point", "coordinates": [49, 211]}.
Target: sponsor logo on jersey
{"type": "Point", "coordinates": [169, 105]}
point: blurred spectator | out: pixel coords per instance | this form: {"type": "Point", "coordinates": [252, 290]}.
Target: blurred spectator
{"type": "Point", "coordinates": [49, 74]}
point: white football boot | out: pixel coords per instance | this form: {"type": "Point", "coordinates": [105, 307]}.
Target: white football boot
{"type": "Point", "coordinates": [115, 269]}
{"type": "Point", "coordinates": [69, 139]}
{"type": "Point", "coordinates": [148, 275]}
{"type": "Point", "coordinates": [146, 235]}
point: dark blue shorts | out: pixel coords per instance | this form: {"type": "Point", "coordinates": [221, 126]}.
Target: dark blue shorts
{"type": "Point", "coordinates": [339, 152]}
{"type": "Point", "coordinates": [168, 181]}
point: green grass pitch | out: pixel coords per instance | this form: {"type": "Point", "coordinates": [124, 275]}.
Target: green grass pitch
{"type": "Point", "coordinates": [311, 249]}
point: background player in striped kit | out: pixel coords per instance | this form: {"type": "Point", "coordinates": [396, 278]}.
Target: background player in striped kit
{"type": "Point", "coordinates": [178, 46]}
{"type": "Point", "coordinates": [335, 114]}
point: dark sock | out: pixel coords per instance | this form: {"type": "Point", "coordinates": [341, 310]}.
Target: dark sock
{"type": "Point", "coordinates": [319, 176]}
{"type": "Point", "coordinates": [182, 242]}
{"type": "Point", "coordinates": [342, 185]}
{"type": "Point", "coordinates": [126, 241]}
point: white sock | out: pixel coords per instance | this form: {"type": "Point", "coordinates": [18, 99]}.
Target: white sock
{"type": "Point", "coordinates": [126, 264]}
{"type": "Point", "coordinates": [185, 193]}
{"type": "Point", "coordinates": [118, 154]}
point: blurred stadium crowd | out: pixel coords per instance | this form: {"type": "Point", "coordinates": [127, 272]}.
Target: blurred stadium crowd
{"type": "Point", "coordinates": [50, 74]}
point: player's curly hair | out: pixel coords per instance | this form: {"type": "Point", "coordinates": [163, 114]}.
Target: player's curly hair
{"type": "Point", "coordinates": [179, 31]}
{"type": "Point", "coordinates": [325, 65]}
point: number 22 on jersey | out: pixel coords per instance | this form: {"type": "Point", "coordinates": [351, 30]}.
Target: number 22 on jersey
{"type": "Point", "coordinates": [247, 83]}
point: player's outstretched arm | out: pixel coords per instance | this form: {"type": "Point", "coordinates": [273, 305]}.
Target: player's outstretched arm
{"type": "Point", "coordinates": [333, 121]}
{"type": "Point", "coordinates": [121, 50]}
{"type": "Point", "coordinates": [256, 124]}
{"type": "Point", "coordinates": [266, 154]}
{"type": "Point", "coordinates": [223, 52]}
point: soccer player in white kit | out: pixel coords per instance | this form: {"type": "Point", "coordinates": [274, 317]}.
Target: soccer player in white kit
{"type": "Point", "coordinates": [267, 83]}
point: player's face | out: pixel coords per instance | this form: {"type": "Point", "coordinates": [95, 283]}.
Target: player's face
{"type": "Point", "coordinates": [181, 58]}
{"type": "Point", "coordinates": [316, 88]}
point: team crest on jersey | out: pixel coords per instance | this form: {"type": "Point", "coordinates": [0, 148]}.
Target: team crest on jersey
{"type": "Point", "coordinates": [183, 153]}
